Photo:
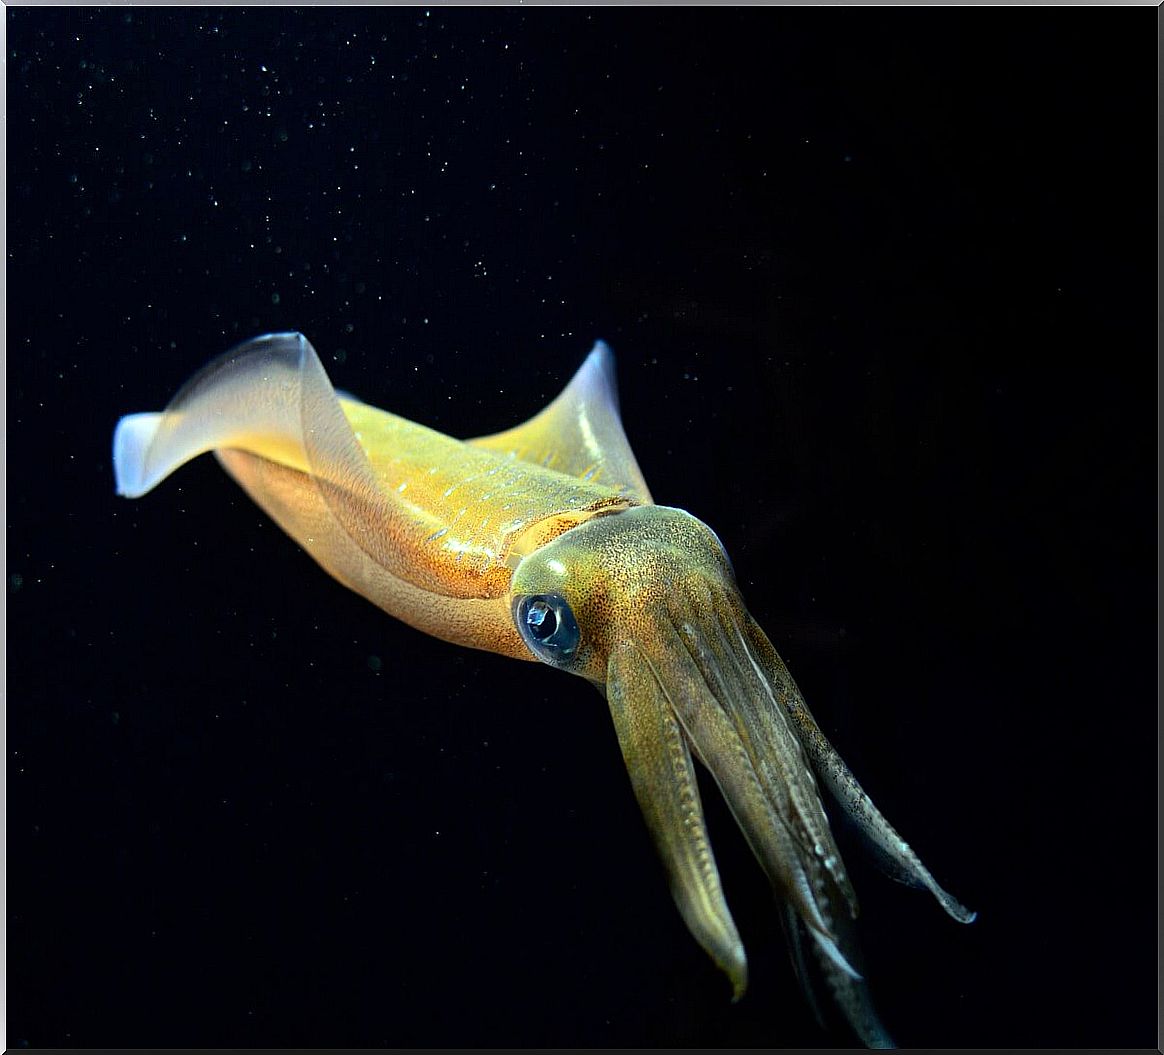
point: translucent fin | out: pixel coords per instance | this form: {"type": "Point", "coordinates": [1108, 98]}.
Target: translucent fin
{"type": "Point", "coordinates": [271, 398]}
{"type": "Point", "coordinates": [248, 398]}
{"type": "Point", "coordinates": [580, 433]}
{"type": "Point", "coordinates": [663, 776]}
{"type": "Point", "coordinates": [131, 441]}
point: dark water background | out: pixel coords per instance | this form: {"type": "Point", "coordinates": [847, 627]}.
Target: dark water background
{"type": "Point", "coordinates": [881, 287]}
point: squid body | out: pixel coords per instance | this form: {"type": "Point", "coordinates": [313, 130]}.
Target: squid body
{"type": "Point", "coordinates": [543, 543]}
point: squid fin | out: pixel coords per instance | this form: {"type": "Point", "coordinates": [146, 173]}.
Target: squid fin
{"type": "Point", "coordinates": [249, 399]}
{"type": "Point", "coordinates": [580, 433]}
{"type": "Point", "coordinates": [269, 401]}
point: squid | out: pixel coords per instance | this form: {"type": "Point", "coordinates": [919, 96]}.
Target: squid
{"type": "Point", "coordinates": [543, 543]}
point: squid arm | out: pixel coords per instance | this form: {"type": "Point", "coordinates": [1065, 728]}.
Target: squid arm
{"type": "Point", "coordinates": [542, 542]}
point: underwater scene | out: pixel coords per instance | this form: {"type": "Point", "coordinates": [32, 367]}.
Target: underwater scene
{"type": "Point", "coordinates": [376, 378]}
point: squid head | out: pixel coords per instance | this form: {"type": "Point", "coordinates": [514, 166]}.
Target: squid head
{"type": "Point", "coordinates": [644, 605]}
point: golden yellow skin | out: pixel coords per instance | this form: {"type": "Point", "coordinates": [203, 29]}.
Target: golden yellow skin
{"type": "Point", "coordinates": [464, 517]}
{"type": "Point", "coordinates": [460, 538]}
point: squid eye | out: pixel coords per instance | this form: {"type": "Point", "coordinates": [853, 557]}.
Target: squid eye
{"type": "Point", "coordinates": [547, 625]}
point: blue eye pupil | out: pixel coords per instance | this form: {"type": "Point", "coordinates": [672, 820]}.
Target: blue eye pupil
{"type": "Point", "coordinates": [541, 620]}
{"type": "Point", "coordinates": [547, 625]}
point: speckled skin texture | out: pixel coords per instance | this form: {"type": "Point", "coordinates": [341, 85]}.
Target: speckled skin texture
{"type": "Point", "coordinates": [427, 527]}
{"type": "Point", "coordinates": [455, 537]}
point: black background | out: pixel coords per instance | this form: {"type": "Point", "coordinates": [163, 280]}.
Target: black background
{"type": "Point", "coordinates": [881, 284]}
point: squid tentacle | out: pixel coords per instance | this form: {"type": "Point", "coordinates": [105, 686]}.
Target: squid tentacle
{"type": "Point", "coordinates": [781, 748]}
{"type": "Point", "coordinates": [663, 775]}
{"type": "Point", "coordinates": [717, 741]}
{"type": "Point", "coordinates": [773, 744]}
{"type": "Point", "coordinates": [796, 847]}
{"type": "Point", "coordinates": [848, 793]}
{"type": "Point", "coordinates": [850, 995]}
